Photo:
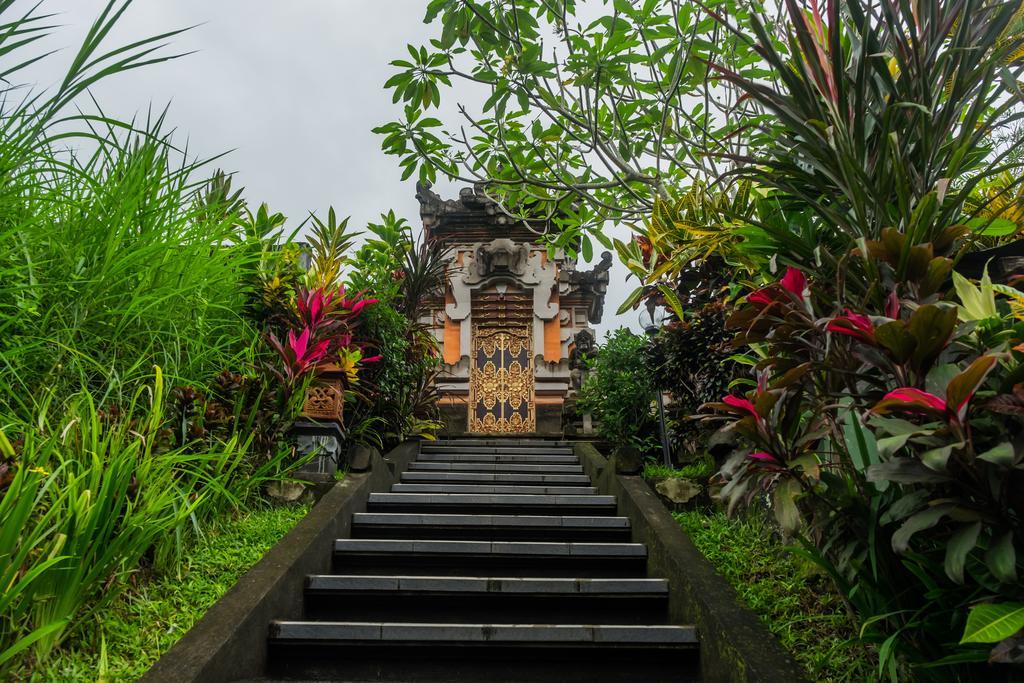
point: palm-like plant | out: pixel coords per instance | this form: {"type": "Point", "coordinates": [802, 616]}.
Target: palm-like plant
{"type": "Point", "coordinates": [888, 110]}
{"type": "Point", "coordinates": [423, 275]}
{"type": "Point", "coordinates": [330, 243]}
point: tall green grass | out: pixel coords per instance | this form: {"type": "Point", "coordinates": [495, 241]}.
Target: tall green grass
{"type": "Point", "coordinates": [122, 270]}
{"type": "Point", "coordinates": [112, 257]}
{"type": "Point", "coordinates": [94, 496]}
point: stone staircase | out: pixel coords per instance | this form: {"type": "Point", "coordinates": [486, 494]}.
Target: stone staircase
{"type": "Point", "coordinates": [491, 560]}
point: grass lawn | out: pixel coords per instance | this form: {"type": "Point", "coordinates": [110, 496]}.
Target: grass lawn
{"type": "Point", "coordinates": [123, 641]}
{"type": "Point", "coordinates": [797, 604]}
{"type": "Point", "coordinates": [698, 469]}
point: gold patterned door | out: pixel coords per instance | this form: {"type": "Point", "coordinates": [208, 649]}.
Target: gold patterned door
{"type": "Point", "coordinates": [501, 381]}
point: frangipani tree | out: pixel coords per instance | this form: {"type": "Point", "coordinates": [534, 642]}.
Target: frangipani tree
{"type": "Point", "coordinates": [592, 111]}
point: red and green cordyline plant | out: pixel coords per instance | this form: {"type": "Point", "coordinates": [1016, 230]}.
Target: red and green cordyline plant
{"type": "Point", "coordinates": [325, 320]}
{"type": "Point", "coordinates": [838, 468]}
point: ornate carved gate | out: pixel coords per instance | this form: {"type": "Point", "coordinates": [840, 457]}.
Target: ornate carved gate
{"type": "Point", "coordinates": [501, 381]}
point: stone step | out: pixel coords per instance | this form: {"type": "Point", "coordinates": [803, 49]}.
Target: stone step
{"type": "Point", "coordinates": [395, 651]}
{"type": "Point", "coordinates": [522, 504]}
{"type": "Point", "coordinates": [494, 467]}
{"type": "Point", "coordinates": [496, 450]}
{"type": "Point", "coordinates": [489, 558]}
{"type": "Point", "coordinates": [517, 478]}
{"type": "Point", "coordinates": [493, 488]}
{"type": "Point", "coordinates": [540, 458]}
{"type": "Point", "coordinates": [503, 442]}
{"type": "Point", "coordinates": [490, 527]}
{"type": "Point", "coordinates": [507, 600]}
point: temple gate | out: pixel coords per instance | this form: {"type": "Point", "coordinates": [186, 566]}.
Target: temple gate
{"type": "Point", "coordinates": [510, 320]}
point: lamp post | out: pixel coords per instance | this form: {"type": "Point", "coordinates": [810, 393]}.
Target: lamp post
{"type": "Point", "coordinates": [651, 320]}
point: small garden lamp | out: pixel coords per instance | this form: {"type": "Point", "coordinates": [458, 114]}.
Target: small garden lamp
{"type": "Point", "coordinates": [651, 320]}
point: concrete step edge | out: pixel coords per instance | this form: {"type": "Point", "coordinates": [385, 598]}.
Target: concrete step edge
{"type": "Point", "coordinates": [523, 521]}
{"type": "Point", "coordinates": [585, 499]}
{"type": "Point", "coordinates": [512, 586]}
{"type": "Point", "coordinates": [494, 489]}
{"type": "Point", "coordinates": [510, 634]}
{"type": "Point", "coordinates": [446, 548]}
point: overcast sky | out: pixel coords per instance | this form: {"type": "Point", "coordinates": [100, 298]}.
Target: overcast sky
{"type": "Point", "coordinates": [291, 88]}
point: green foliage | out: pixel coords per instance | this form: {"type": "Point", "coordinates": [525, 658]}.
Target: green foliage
{"type": "Point", "coordinates": [94, 494]}
{"type": "Point", "coordinates": [883, 427]}
{"type": "Point", "coordinates": [135, 629]}
{"type": "Point", "coordinates": [329, 244]}
{"type": "Point", "coordinates": [891, 115]}
{"type": "Point", "coordinates": [700, 469]}
{"type": "Point", "coordinates": [691, 359]}
{"type": "Point", "coordinates": [619, 393]}
{"type": "Point", "coordinates": [402, 396]}
{"type": "Point", "coordinates": [117, 260]}
{"type": "Point", "coordinates": [593, 109]}
{"type": "Point", "coordinates": [992, 623]}
{"type": "Point", "coordinates": [377, 265]}
{"type": "Point", "coordinates": [798, 605]}
{"type": "Point", "coordinates": [111, 260]}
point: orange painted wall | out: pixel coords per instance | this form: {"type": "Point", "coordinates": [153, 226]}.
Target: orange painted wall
{"type": "Point", "coordinates": [452, 341]}
{"type": "Point", "coordinates": [452, 332]}
{"type": "Point", "coordinates": [553, 334]}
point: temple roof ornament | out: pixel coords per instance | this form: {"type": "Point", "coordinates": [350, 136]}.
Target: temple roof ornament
{"type": "Point", "coordinates": [473, 209]}
{"type": "Point", "coordinates": [591, 284]}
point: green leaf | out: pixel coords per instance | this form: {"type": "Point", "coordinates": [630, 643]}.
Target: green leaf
{"type": "Point", "coordinates": [992, 227]}
{"type": "Point", "coordinates": [895, 337]}
{"type": "Point", "coordinates": [991, 623]}
{"type": "Point", "coordinates": [1001, 558]}
{"type": "Point", "coordinates": [784, 505]}
{"type": "Point", "coordinates": [962, 387]}
{"type": "Point", "coordinates": [672, 300]}
{"type": "Point", "coordinates": [957, 549]}
{"type": "Point", "coordinates": [1001, 455]}
{"type": "Point", "coordinates": [903, 507]}
{"type": "Point", "coordinates": [939, 378]}
{"type": "Point", "coordinates": [888, 445]}
{"type": "Point", "coordinates": [931, 327]}
{"type": "Point", "coordinates": [925, 519]}
{"type": "Point", "coordinates": [587, 247]}
{"type": "Point", "coordinates": [633, 297]}
{"type": "Point", "coordinates": [865, 449]}
{"type": "Point", "coordinates": [895, 426]}
{"type": "Point", "coordinates": [936, 458]}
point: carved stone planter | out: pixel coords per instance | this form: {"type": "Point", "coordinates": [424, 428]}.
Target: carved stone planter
{"type": "Point", "coordinates": [325, 399]}
{"type": "Point", "coordinates": [322, 425]}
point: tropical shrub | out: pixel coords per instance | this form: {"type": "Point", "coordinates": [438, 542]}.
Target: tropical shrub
{"type": "Point", "coordinates": [90, 497]}
{"type": "Point", "coordinates": [692, 360]}
{"type": "Point", "coordinates": [126, 267]}
{"type": "Point", "coordinates": [882, 429]}
{"type": "Point", "coordinates": [619, 393]}
{"type": "Point", "coordinates": [407, 272]}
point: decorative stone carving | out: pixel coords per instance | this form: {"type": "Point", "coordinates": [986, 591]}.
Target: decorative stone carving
{"type": "Point", "coordinates": [501, 256]}
{"type": "Point", "coordinates": [478, 271]}
{"type": "Point", "coordinates": [591, 283]}
{"type": "Point", "coordinates": [325, 398]}
{"type": "Point", "coordinates": [583, 347]}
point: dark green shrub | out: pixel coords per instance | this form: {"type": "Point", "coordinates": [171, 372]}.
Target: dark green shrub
{"type": "Point", "coordinates": [689, 360]}
{"type": "Point", "coordinates": [619, 392]}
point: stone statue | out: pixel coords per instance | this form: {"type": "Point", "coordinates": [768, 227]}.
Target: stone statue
{"type": "Point", "coordinates": [583, 348]}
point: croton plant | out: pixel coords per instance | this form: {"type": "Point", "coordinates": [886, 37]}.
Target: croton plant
{"type": "Point", "coordinates": [886, 432]}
